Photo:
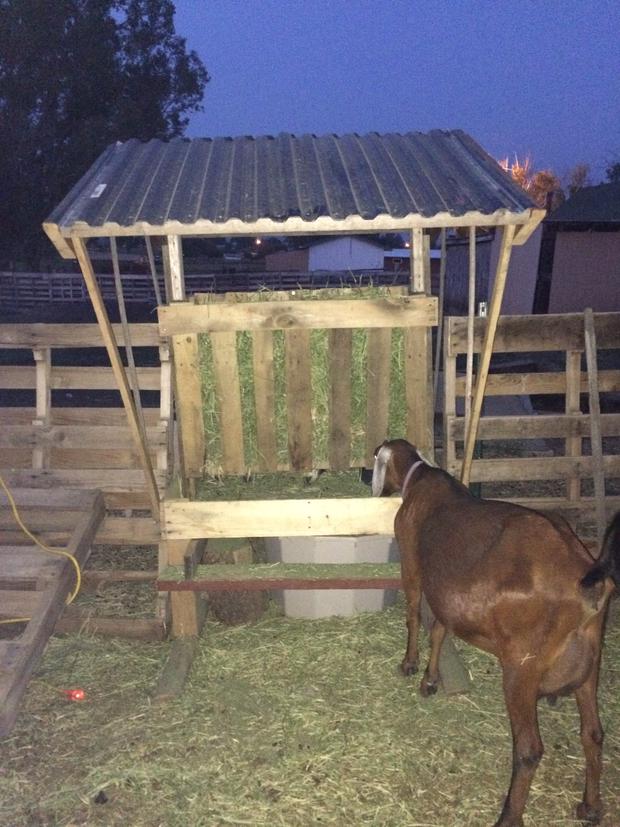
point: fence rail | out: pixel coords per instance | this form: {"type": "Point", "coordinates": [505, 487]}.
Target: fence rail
{"type": "Point", "coordinates": [27, 290]}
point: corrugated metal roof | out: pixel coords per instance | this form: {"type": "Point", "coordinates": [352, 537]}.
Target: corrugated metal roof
{"type": "Point", "coordinates": [213, 183]}
{"type": "Point", "coordinates": [590, 205]}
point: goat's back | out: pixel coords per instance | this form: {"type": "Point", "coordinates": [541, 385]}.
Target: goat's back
{"type": "Point", "coordinates": [484, 563]}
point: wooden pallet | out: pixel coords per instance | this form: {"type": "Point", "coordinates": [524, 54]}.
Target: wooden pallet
{"type": "Point", "coordinates": [35, 585]}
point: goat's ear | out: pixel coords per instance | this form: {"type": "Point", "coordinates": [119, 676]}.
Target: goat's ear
{"type": "Point", "coordinates": [382, 457]}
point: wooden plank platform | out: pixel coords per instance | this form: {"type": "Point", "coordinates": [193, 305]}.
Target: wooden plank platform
{"type": "Point", "coordinates": [220, 577]}
{"type": "Point", "coordinates": [34, 584]}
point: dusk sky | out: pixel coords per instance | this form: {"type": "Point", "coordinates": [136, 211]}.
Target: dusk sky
{"type": "Point", "coordinates": [532, 78]}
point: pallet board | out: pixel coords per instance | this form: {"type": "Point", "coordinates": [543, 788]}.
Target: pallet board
{"type": "Point", "coordinates": [35, 584]}
{"type": "Point", "coordinates": [264, 577]}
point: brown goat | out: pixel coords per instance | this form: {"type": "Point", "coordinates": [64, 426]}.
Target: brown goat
{"type": "Point", "coordinates": [514, 582]}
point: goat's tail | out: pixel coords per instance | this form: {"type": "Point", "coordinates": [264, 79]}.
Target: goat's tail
{"type": "Point", "coordinates": [608, 563]}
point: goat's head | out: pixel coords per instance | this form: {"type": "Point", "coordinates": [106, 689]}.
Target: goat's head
{"type": "Point", "coordinates": [393, 459]}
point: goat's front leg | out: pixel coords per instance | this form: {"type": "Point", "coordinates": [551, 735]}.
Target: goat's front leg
{"type": "Point", "coordinates": [410, 575]}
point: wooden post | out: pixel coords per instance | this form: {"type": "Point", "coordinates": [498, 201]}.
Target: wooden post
{"type": "Point", "coordinates": [43, 362]}
{"type": "Point", "coordinates": [487, 349]}
{"type": "Point", "coordinates": [471, 312]}
{"type": "Point", "coordinates": [188, 609]}
{"type": "Point", "coordinates": [595, 426]}
{"type": "Point", "coordinates": [131, 363]}
{"type": "Point", "coordinates": [153, 269]}
{"type": "Point", "coordinates": [449, 402]}
{"type": "Point", "coordinates": [118, 368]}
{"type": "Point", "coordinates": [418, 359]}
{"type": "Point", "coordinates": [572, 408]}
{"type": "Point", "coordinates": [166, 423]}
{"type": "Point", "coordinates": [187, 386]}
{"type": "Point", "coordinates": [441, 302]}
{"type": "Point", "coordinates": [176, 270]}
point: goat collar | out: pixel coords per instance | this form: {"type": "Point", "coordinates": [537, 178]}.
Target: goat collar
{"type": "Point", "coordinates": [409, 474]}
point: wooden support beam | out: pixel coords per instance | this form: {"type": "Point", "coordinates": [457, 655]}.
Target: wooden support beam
{"type": "Point", "coordinates": [176, 669]}
{"type": "Point", "coordinates": [165, 452]}
{"type": "Point", "coordinates": [487, 349]}
{"type": "Point", "coordinates": [188, 610]}
{"type": "Point", "coordinates": [131, 362]}
{"type": "Point", "coordinates": [523, 232]}
{"type": "Point", "coordinates": [419, 358]}
{"type": "Point", "coordinates": [118, 368]}
{"type": "Point", "coordinates": [176, 271]}
{"type": "Point", "coordinates": [441, 303]}
{"type": "Point", "coordinates": [471, 312]}
{"type": "Point", "coordinates": [598, 470]}
{"type": "Point", "coordinates": [153, 269]}
{"type": "Point", "coordinates": [41, 449]}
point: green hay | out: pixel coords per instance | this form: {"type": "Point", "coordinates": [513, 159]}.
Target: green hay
{"type": "Point", "coordinates": [283, 485]}
{"type": "Point", "coordinates": [285, 722]}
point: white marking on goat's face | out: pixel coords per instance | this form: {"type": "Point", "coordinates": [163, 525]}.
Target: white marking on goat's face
{"type": "Point", "coordinates": [384, 455]}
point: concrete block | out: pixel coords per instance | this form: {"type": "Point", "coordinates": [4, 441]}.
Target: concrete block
{"type": "Point", "coordinates": [329, 602]}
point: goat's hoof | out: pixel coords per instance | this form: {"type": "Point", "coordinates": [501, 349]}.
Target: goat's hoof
{"type": "Point", "coordinates": [591, 815]}
{"type": "Point", "coordinates": [428, 688]}
{"type": "Point", "coordinates": [409, 667]}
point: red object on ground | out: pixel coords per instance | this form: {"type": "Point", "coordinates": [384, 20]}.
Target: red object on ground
{"type": "Point", "coordinates": [75, 694]}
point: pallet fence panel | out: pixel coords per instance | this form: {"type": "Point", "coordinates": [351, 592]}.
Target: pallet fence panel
{"type": "Point", "coordinates": [340, 348]}
{"type": "Point", "coordinates": [264, 399]}
{"type": "Point", "coordinates": [299, 397]}
{"type": "Point", "coordinates": [296, 387]}
{"type": "Point", "coordinates": [48, 443]}
{"type": "Point", "coordinates": [378, 370]}
{"type": "Point", "coordinates": [537, 428]}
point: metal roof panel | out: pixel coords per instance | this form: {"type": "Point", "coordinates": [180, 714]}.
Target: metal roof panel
{"type": "Point", "coordinates": [246, 179]}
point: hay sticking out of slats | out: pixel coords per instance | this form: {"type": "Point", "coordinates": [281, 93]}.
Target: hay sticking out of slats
{"type": "Point", "coordinates": [286, 722]}
{"type": "Point", "coordinates": [283, 485]}
{"type": "Point", "coordinates": [319, 349]}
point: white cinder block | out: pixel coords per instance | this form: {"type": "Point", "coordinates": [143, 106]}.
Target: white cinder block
{"type": "Point", "coordinates": [329, 602]}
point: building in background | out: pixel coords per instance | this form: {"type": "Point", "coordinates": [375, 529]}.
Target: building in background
{"type": "Point", "coordinates": [580, 260]}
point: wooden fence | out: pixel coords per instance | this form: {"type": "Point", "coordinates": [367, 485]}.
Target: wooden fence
{"type": "Point", "coordinates": [24, 290]}
{"type": "Point", "coordinates": [535, 430]}
{"type": "Point", "coordinates": [61, 419]}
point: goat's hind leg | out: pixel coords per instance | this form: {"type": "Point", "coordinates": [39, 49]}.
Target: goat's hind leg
{"type": "Point", "coordinates": [430, 681]}
{"type": "Point", "coordinates": [590, 809]}
{"type": "Point", "coordinates": [521, 683]}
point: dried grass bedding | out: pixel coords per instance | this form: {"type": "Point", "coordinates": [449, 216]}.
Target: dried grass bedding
{"type": "Point", "coordinates": [285, 722]}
